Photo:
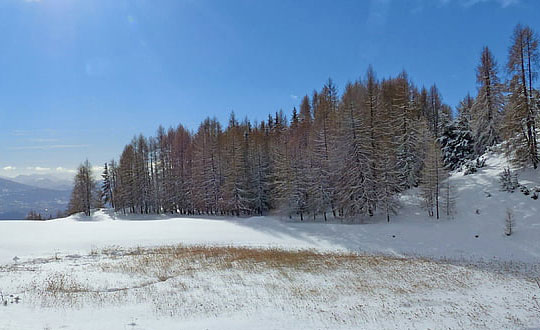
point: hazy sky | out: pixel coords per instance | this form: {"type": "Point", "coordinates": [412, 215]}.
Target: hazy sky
{"type": "Point", "coordinates": [79, 78]}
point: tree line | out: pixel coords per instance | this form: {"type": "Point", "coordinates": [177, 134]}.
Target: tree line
{"type": "Point", "coordinates": [339, 155]}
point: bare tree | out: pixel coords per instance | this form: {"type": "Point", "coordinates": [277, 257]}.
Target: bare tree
{"type": "Point", "coordinates": [84, 195]}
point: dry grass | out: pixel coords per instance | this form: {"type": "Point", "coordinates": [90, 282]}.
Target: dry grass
{"type": "Point", "coordinates": [190, 281]}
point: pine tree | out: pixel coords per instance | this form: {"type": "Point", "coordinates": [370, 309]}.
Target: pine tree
{"type": "Point", "coordinates": [107, 187]}
{"type": "Point", "coordinates": [457, 146]}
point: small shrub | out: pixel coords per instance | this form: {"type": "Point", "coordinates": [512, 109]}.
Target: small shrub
{"type": "Point", "coordinates": [509, 222]}
{"type": "Point", "coordinates": [473, 166]}
{"type": "Point", "coordinates": [508, 180]}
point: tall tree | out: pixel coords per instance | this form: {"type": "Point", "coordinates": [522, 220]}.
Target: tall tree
{"type": "Point", "coordinates": [522, 112]}
{"type": "Point", "coordinates": [433, 174]}
{"type": "Point", "coordinates": [488, 105]}
{"type": "Point", "coordinates": [84, 195]}
{"type": "Point", "coordinates": [107, 187]}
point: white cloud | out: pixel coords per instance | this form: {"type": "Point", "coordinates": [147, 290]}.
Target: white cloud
{"type": "Point", "coordinates": [61, 169]}
{"type": "Point", "coordinates": [9, 168]}
{"type": "Point", "coordinates": [294, 97]}
{"type": "Point", "coordinates": [38, 168]}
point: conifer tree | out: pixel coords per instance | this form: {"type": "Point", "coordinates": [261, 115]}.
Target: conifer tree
{"type": "Point", "coordinates": [432, 176]}
{"type": "Point", "coordinates": [522, 108]}
{"type": "Point", "coordinates": [487, 107]}
{"type": "Point", "coordinates": [83, 196]}
{"type": "Point", "coordinates": [106, 188]}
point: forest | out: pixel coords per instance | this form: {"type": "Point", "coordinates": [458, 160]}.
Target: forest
{"type": "Point", "coordinates": [339, 155]}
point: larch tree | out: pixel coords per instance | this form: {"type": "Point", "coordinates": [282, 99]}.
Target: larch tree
{"type": "Point", "coordinates": [84, 195]}
{"type": "Point", "coordinates": [387, 132]}
{"type": "Point", "coordinates": [488, 105]}
{"type": "Point", "coordinates": [522, 108]}
{"type": "Point", "coordinates": [433, 174]}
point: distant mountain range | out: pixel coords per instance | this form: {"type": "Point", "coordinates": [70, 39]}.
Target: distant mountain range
{"type": "Point", "coordinates": [43, 181]}
{"type": "Point", "coordinates": [44, 195]}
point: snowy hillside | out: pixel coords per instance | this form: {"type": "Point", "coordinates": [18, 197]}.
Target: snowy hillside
{"type": "Point", "coordinates": [112, 271]}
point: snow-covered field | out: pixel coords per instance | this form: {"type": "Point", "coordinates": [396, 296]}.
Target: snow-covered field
{"type": "Point", "coordinates": [114, 272]}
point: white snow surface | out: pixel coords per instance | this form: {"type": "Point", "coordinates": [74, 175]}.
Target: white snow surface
{"type": "Point", "coordinates": [475, 234]}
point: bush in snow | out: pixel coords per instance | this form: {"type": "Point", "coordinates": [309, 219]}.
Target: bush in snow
{"type": "Point", "coordinates": [524, 190]}
{"type": "Point", "coordinates": [536, 192]}
{"type": "Point", "coordinates": [473, 166]}
{"type": "Point", "coordinates": [508, 180]}
{"type": "Point", "coordinates": [509, 222]}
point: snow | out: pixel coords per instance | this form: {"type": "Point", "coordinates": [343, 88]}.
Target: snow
{"type": "Point", "coordinates": [457, 295]}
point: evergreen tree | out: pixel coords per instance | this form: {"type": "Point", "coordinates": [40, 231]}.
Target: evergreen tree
{"type": "Point", "coordinates": [106, 187]}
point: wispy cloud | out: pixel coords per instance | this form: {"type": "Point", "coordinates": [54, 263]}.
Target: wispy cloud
{"type": "Point", "coordinates": [294, 97]}
{"type": "Point", "coordinates": [9, 168]}
{"type": "Point", "coordinates": [420, 4]}
{"type": "Point", "coordinates": [470, 3]}
{"type": "Point", "coordinates": [42, 140]}
{"type": "Point", "coordinates": [51, 146]}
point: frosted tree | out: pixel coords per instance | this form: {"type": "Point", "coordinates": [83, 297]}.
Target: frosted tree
{"type": "Point", "coordinates": [457, 145]}
{"type": "Point", "coordinates": [448, 198]}
{"type": "Point", "coordinates": [291, 177]}
{"type": "Point", "coordinates": [355, 151]}
{"type": "Point", "coordinates": [488, 105]}
{"type": "Point", "coordinates": [181, 155]}
{"type": "Point", "coordinates": [261, 171]}
{"type": "Point", "coordinates": [432, 175]}
{"type": "Point", "coordinates": [126, 196]}
{"type": "Point", "coordinates": [371, 105]}
{"type": "Point", "coordinates": [207, 167]}
{"type": "Point", "coordinates": [387, 133]}
{"type": "Point", "coordinates": [323, 161]}
{"type": "Point", "coordinates": [237, 175]}
{"type": "Point", "coordinates": [522, 108]}
{"type": "Point", "coordinates": [408, 142]}
{"type": "Point", "coordinates": [107, 187]}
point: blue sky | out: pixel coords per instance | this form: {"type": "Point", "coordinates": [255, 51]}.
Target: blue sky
{"type": "Point", "coordinates": [80, 78]}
